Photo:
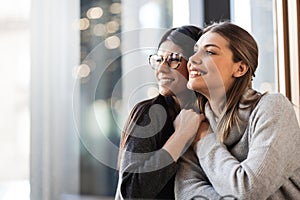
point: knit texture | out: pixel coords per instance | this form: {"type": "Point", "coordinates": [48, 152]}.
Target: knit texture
{"type": "Point", "coordinates": [261, 161]}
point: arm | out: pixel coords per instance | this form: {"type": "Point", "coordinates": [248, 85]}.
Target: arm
{"type": "Point", "coordinates": [273, 155]}
{"type": "Point", "coordinates": [186, 126]}
{"type": "Point", "coordinates": [145, 175]}
{"type": "Point", "coordinates": [145, 169]}
{"type": "Point", "coordinates": [190, 179]}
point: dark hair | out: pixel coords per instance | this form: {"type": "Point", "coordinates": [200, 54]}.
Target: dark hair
{"type": "Point", "coordinates": [185, 37]}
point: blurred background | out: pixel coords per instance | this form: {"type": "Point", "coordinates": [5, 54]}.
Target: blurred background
{"type": "Point", "coordinates": [72, 70]}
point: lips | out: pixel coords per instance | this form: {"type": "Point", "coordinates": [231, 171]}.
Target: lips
{"type": "Point", "coordinates": [165, 80]}
{"type": "Point", "coordinates": [196, 72]}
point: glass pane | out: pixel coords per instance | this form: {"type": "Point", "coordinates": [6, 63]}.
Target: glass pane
{"type": "Point", "coordinates": [262, 28]}
{"type": "Point", "coordinates": [257, 17]}
{"type": "Point", "coordinates": [14, 106]}
{"type": "Point", "coordinates": [113, 38]}
{"type": "Point", "coordinates": [100, 70]}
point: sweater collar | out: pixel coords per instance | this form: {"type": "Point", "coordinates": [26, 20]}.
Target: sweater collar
{"type": "Point", "coordinates": [235, 133]}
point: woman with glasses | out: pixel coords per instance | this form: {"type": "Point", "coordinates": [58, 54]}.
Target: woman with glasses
{"type": "Point", "coordinates": [150, 146]}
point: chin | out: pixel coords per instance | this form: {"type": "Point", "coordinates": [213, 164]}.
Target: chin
{"type": "Point", "coordinates": [165, 92]}
{"type": "Point", "coordinates": [190, 86]}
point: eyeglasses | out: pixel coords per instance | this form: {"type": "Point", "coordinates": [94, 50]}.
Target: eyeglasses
{"type": "Point", "coordinates": [173, 60]}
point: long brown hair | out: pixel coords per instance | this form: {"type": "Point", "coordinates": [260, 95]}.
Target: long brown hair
{"type": "Point", "coordinates": [245, 49]}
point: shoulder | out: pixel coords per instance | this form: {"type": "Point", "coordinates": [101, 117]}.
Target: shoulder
{"type": "Point", "coordinates": [274, 102]}
{"type": "Point", "coordinates": [147, 104]}
{"type": "Point", "coordinates": [148, 109]}
{"type": "Point", "coordinates": [275, 98]}
{"type": "Point", "coordinates": [273, 106]}
{"type": "Point", "coordinates": [159, 99]}
{"type": "Point", "coordinates": [144, 125]}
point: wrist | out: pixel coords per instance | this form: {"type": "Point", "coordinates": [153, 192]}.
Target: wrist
{"type": "Point", "coordinates": [183, 136]}
{"type": "Point", "coordinates": [176, 145]}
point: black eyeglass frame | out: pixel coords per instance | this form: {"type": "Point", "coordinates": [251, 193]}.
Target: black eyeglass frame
{"type": "Point", "coordinates": [167, 59]}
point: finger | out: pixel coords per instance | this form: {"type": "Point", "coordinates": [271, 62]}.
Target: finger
{"type": "Point", "coordinates": [202, 117]}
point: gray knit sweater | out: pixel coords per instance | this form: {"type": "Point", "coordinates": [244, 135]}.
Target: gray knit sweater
{"type": "Point", "coordinates": [261, 161]}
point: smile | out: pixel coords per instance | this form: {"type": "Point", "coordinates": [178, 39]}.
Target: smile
{"type": "Point", "coordinates": [163, 81]}
{"type": "Point", "coordinates": [194, 72]}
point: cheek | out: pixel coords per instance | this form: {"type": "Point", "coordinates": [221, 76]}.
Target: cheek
{"type": "Point", "coordinates": [217, 69]}
{"type": "Point", "coordinates": [183, 72]}
{"type": "Point", "coordinates": [156, 74]}
{"type": "Point", "coordinates": [220, 77]}
{"type": "Point", "coordinates": [182, 78]}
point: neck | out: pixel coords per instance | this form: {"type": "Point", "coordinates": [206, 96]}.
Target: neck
{"type": "Point", "coordinates": [185, 99]}
{"type": "Point", "coordinates": [217, 104]}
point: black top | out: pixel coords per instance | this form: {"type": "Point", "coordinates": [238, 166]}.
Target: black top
{"type": "Point", "coordinates": [146, 170]}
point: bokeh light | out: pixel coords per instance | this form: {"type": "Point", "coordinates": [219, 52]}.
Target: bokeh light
{"type": "Point", "coordinates": [84, 24]}
{"type": "Point", "coordinates": [115, 8]}
{"type": "Point", "coordinates": [112, 42]}
{"type": "Point", "coordinates": [94, 13]}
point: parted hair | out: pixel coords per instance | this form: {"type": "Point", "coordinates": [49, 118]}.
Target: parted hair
{"type": "Point", "coordinates": [245, 49]}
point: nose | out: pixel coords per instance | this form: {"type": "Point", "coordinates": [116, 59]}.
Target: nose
{"type": "Point", "coordinates": [163, 66]}
{"type": "Point", "coordinates": [195, 59]}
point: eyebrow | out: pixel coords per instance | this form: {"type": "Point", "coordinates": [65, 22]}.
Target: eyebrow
{"type": "Point", "coordinates": [208, 45]}
{"type": "Point", "coordinates": [212, 45]}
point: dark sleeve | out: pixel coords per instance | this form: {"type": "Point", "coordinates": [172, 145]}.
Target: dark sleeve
{"type": "Point", "coordinates": [145, 167]}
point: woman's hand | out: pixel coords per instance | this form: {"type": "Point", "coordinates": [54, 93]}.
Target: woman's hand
{"type": "Point", "coordinates": [187, 123]}
{"type": "Point", "coordinates": [204, 130]}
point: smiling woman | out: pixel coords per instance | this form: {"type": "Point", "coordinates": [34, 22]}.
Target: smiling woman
{"type": "Point", "coordinates": [212, 70]}
{"type": "Point", "coordinates": [244, 133]}
{"type": "Point", "coordinates": [149, 147]}
{"type": "Point", "coordinates": [73, 115]}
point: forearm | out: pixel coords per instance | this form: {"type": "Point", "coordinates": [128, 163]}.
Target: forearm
{"type": "Point", "coordinates": [146, 177]}
{"type": "Point", "coordinates": [260, 158]}
{"type": "Point", "coordinates": [256, 177]}
{"type": "Point", "coordinates": [176, 145]}
{"type": "Point", "coordinates": [186, 125]}
{"type": "Point", "coordinates": [191, 181]}
{"type": "Point", "coordinates": [221, 167]}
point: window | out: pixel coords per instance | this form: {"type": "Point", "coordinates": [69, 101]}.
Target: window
{"type": "Point", "coordinates": [257, 17]}
{"type": "Point", "coordinates": [89, 67]}
{"type": "Point", "coordinates": [14, 106]}
{"type": "Point", "coordinates": [116, 39]}
{"type": "Point", "coordinates": [275, 26]}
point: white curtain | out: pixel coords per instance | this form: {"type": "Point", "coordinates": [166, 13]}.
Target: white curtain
{"type": "Point", "coordinates": [55, 50]}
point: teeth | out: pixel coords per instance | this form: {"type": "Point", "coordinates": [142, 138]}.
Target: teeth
{"type": "Point", "coordinates": [165, 81]}
{"type": "Point", "coordinates": [195, 73]}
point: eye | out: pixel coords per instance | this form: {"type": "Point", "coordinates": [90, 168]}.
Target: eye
{"type": "Point", "coordinates": [210, 52]}
{"type": "Point", "coordinates": [174, 57]}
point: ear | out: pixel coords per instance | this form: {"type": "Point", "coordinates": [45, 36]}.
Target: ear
{"type": "Point", "coordinates": [240, 69]}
